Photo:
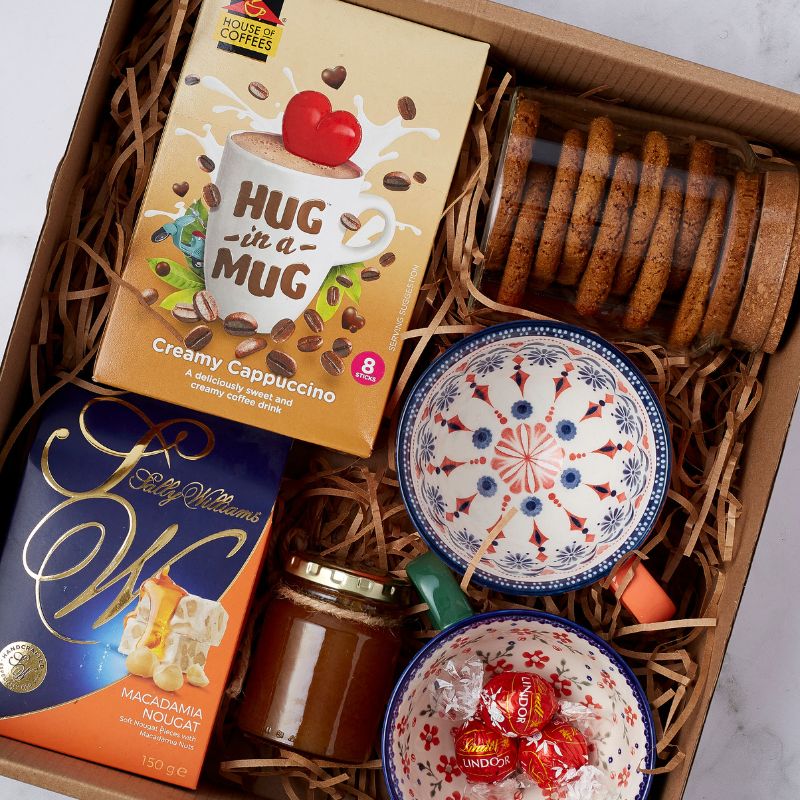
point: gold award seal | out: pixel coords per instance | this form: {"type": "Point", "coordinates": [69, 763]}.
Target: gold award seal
{"type": "Point", "coordinates": [23, 667]}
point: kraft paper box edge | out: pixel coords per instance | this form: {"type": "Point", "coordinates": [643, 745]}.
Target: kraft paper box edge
{"type": "Point", "coordinates": [772, 113]}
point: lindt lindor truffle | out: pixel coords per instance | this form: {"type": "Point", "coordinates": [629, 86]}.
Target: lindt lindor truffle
{"type": "Point", "coordinates": [553, 755]}
{"type": "Point", "coordinates": [517, 703]}
{"type": "Point", "coordinates": [483, 753]}
{"type": "Point", "coordinates": [128, 566]}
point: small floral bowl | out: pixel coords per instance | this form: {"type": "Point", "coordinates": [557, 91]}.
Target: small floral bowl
{"type": "Point", "coordinates": [418, 760]}
{"type": "Point", "coordinates": [542, 419]}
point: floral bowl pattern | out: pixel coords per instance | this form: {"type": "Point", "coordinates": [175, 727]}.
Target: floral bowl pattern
{"type": "Point", "coordinates": [550, 420]}
{"type": "Point", "coordinates": [418, 761]}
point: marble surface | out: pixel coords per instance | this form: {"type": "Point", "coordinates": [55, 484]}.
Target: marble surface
{"type": "Point", "coordinates": [756, 40]}
{"type": "Point", "coordinates": [749, 748]}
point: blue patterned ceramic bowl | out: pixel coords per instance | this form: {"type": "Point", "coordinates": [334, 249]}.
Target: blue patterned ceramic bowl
{"type": "Point", "coordinates": [418, 760]}
{"type": "Point", "coordinates": [550, 420]}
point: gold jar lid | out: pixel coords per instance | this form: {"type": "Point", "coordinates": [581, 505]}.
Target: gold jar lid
{"type": "Point", "coordinates": [380, 588]}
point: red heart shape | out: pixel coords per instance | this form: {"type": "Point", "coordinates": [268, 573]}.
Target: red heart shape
{"type": "Point", "coordinates": [312, 130]}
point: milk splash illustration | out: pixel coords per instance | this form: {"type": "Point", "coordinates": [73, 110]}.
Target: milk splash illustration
{"type": "Point", "coordinates": [210, 146]}
{"type": "Point", "coordinates": [287, 71]}
{"type": "Point", "coordinates": [240, 275]}
{"type": "Point", "coordinates": [173, 215]}
{"type": "Point", "coordinates": [374, 226]}
{"type": "Point", "coordinates": [375, 139]}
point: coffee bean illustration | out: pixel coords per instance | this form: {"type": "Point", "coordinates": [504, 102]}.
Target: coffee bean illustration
{"type": "Point", "coordinates": [211, 195]}
{"type": "Point", "coordinates": [280, 363]}
{"type": "Point", "coordinates": [185, 312]}
{"type": "Point", "coordinates": [205, 305]}
{"type": "Point", "coordinates": [250, 346]}
{"type": "Point", "coordinates": [333, 295]}
{"type": "Point", "coordinates": [258, 90]}
{"type": "Point", "coordinates": [314, 320]}
{"type": "Point", "coordinates": [334, 76]}
{"type": "Point", "coordinates": [162, 269]}
{"type": "Point", "coordinates": [331, 363]}
{"type": "Point", "coordinates": [240, 323]}
{"type": "Point", "coordinates": [149, 295]}
{"type": "Point", "coordinates": [308, 344]}
{"type": "Point", "coordinates": [343, 280]}
{"type": "Point", "coordinates": [387, 259]}
{"type": "Point", "coordinates": [158, 235]}
{"type": "Point", "coordinates": [370, 274]}
{"type": "Point", "coordinates": [352, 321]}
{"type": "Point", "coordinates": [407, 108]}
{"type": "Point", "coordinates": [198, 337]}
{"type": "Point", "coordinates": [342, 347]}
{"type": "Point", "coordinates": [181, 188]}
{"type": "Point", "coordinates": [205, 163]}
{"type": "Point", "coordinates": [420, 177]}
{"type": "Point", "coordinates": [282, 330]}
{"type": "Point", "coordinates": [396, 181]}
{"type": "Point", "coordinates": [350, 221]}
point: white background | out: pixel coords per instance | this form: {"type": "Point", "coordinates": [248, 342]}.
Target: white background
{"type": "Point", "coordinates": [750, 749]}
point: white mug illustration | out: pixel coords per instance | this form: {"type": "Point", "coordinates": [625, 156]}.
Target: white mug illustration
{"type": "Point", "coordinates": [276, 228]}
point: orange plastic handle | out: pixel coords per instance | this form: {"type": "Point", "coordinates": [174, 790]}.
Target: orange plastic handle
{"type": "Point", "coordinates": [643, 596]}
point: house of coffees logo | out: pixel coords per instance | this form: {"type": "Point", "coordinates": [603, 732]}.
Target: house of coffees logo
{"type": "Point", "coordinates": [251, 28]}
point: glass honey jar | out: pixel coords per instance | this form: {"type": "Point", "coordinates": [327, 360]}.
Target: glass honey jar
{"type": "Point", "coordinates": [325, 660]}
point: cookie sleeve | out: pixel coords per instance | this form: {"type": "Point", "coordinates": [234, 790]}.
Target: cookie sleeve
{"type": "Point", "coordinates": [655, 157]}
{"type": "Point", "coordinates": [526, 233]}
{"type": "Point", "coordinates": [588, 201]}
{"type": "Point", "coordinates": [516, 159]}
{"type": "Point", "coordinates": [653, 277]}
{"type": "Point", "coordinates": [562, 199]}
{"type": "Point", "coordinates": [595, 284]}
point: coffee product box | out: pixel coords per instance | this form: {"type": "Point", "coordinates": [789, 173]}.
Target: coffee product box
{"type": "Point", "coordinates": [131, 557]}
{"type": "Point", "coordinates": [290, 214]}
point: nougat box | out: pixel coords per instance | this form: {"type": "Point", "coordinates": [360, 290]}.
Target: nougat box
{"type": "Point", "coordinates": [290, 214]}
{"type": "Point", "coordinates": [131, 557]}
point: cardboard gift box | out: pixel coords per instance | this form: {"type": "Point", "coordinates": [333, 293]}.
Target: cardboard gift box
{"type": "Point", "coordinates": [546, 52]}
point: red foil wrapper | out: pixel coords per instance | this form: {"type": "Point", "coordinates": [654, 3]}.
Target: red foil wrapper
{"type": "Point", "coordinates": [483, 753]}
{"type": "Point", "coordinates": [551, 753]}
{"type": "Point", "coordinates": [517, 703]}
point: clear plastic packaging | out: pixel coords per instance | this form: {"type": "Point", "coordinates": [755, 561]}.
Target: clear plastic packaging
{"type": "Point", "coordinates": [643, 226]}
{"type": "Point", "coordinates": [457, 689]}
{"type": "Point", "coordinates": [560, 758]}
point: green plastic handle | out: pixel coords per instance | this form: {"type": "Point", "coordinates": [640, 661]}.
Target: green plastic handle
{"type": "Point", "coordinates": [438, 588]}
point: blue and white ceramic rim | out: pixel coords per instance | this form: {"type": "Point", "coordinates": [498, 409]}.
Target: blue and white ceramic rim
{"type": "Point", "coordinates": [568, 333]}
{"type": "Point", "coordinates": [453, 631]}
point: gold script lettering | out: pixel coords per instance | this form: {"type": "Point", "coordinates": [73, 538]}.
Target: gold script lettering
{"type": "Point", "coordinates": [132, 576]}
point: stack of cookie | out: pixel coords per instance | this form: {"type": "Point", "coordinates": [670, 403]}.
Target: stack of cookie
{"type": "Point", "coordinates": [653, 232]}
